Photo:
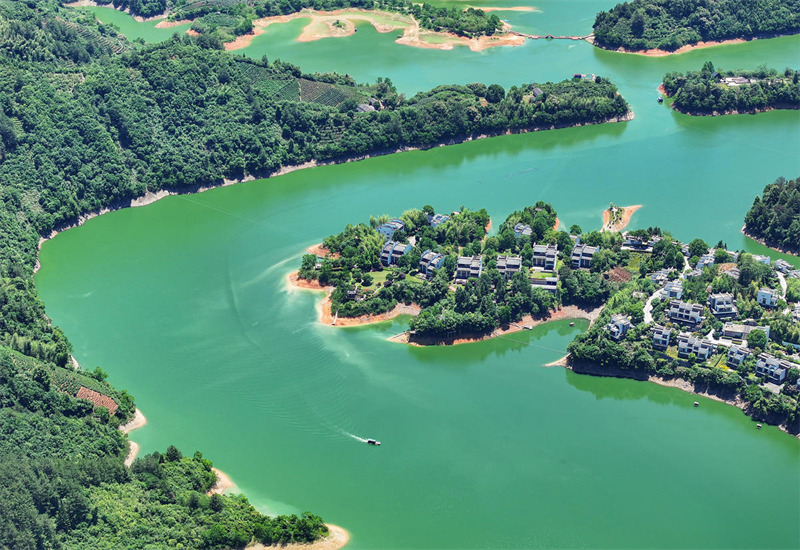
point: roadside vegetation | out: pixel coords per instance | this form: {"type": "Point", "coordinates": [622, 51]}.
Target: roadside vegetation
{"type": "Point", "coordinates": [714, 91]}
{"type": "Point", "coordinates": [667, 25]}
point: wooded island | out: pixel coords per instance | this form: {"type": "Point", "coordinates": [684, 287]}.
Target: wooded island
{"type": "Point", "coordinates": [641, 25]}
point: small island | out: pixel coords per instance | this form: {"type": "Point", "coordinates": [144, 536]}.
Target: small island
{"type": "Point", "coordinates": [711, 91]}
{"type": "Point", "coordinates": [706, 319]}
{"type": "Point", "coordinates": [459, 284]}
{"type": "Point", "coordinates": [662, 27]}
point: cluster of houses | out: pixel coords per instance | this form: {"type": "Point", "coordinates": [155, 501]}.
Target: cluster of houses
{"type": "Point", "coordinates": [721, 305]}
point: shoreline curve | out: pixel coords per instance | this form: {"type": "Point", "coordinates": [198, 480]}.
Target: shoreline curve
{"type": "Point", "coordinates": [150, 197]}
{"type": "Point", "coordinates": [138, 421]}
{"type": "Point", "coordinates": [338, 537]}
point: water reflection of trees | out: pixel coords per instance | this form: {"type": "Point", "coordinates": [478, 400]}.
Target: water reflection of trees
{"type": "Point", "coordinates": [621, 389]}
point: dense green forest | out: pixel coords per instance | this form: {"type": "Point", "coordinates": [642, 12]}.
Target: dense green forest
{"type": "Point", "coordinates": [89, 120]}
{"type": "Point", "coordinates": [483, 303]}
{"type": "Point", "coordinates": [715, 91]}
{"type": "Point", "coordinates": [669, 24]}
{"type": "Point", "coordinates": [775, 216]}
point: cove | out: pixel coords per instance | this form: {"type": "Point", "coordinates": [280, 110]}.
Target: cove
{"type": "Point", "coordinates": [185, 304]}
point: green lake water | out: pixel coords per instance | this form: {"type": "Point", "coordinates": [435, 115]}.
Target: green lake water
{"type": "Point", "coordinates": [185, 304]}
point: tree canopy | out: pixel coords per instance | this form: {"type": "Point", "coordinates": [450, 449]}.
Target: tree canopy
{"type": "Point", "coordinates": [669, 24]}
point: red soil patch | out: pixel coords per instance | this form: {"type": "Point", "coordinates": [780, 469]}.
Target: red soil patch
{"type": "Point", "coordinates": [619, 275]}
{"type": "Point", "coordinates": [98, 399]}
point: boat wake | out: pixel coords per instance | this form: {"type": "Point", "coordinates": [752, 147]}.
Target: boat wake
{"type": "Point", "coordinates": [353, 436]}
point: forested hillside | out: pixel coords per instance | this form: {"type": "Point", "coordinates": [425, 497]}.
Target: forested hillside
{"type": "Point", "coordinates": [775, 216]}
{"type": "Point", "coordinates": [668, 24]}
{"type": "Point", "coordinates": [711, 91]}
{"type": "Point", "coordinates": [89, 120]}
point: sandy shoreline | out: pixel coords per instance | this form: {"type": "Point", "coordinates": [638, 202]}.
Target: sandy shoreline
{"type": "Point", "coordinates": [654, 52]}
{"type": "Point", "coordinates": [567, 312]}
{"type": "Point", "coordinates": [337, 538]}
{"type": "Point", "coordinates": [627, 213]}
{"type": "Point", "coordinates": [135, 423]}
{"type": "Point", "coordinates": [223, 484]}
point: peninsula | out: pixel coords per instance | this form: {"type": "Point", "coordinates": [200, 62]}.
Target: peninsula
{"type": "Point", "coordinates": [711, 91]}
{"type": "Point", "coordinates": [662, 27]}
{"type": "Point", "coordinates": [685, 314]}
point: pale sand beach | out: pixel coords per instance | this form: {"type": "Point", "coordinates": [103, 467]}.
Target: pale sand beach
{"type": "Point", "coordinates": [627, 212]}
{"type": "Point", "coordinates": [223, 484]}
{"type": "Point", "coordinates": [337, 538]}
{"type": "Point", "coordinates": [135, 423]}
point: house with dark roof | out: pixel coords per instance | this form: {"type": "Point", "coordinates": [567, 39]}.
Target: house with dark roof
{"type": "Point", "coordinates": [436, 220]}
{"type": "Point", "coordinates": [783, 266]}
{"type": "Point", "coordinates": [388, 229]}
{"type": "Point", "coordinates": [772, 368]}
{"type": "Point", "coordinates": [582, 256]}
{"type": "Point", "coordinates": [702, 348]}
{"type": "Point", "coordinates": [673, 290]}
{"type": "Point", "coordinates": [737, 355]}
{"type": "Point", "coordinates": [722, 305]}
{"type": "Point", "coordinates": [468, 267]}
{"type": "Point", "coordinates": [661, 276]}
{"type": "Point", "coordinates": [545, 256]}
{"type": "Point", "coordinates": [508, 265]}
{"type": "Point", "coordinates": [536, 91]}
{"type": "Point", "coordinates": [693, 273]}
{"type": "Point", "coordinates": [522, 230]}
{"type": "Point", "coordinates": [619, 326]}
{"type": "Point", "coordinates": [740, 332]}
{"type": "Point", "coordinates": [796, 313]}
{"type": "Point", "coordinates": [393, 251]}
{"type": "Point", "coordinates": [683, 312]}
{"type": "Point", "coordinates": [661, 336]}
{"type": "Point", "coordinates": [430, 261]}
{"type": "Point", "coordinates": [767, 297]}
{"type": "Point", "coordinates": [549, 284]}
{"type": "Point", "coordinates": [706, 260]}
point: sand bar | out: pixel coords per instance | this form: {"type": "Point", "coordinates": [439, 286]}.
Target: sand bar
{"type": "Point", "coordinates": [337, 538]}
{"type": "Point", "coordinates": [627, 212]}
